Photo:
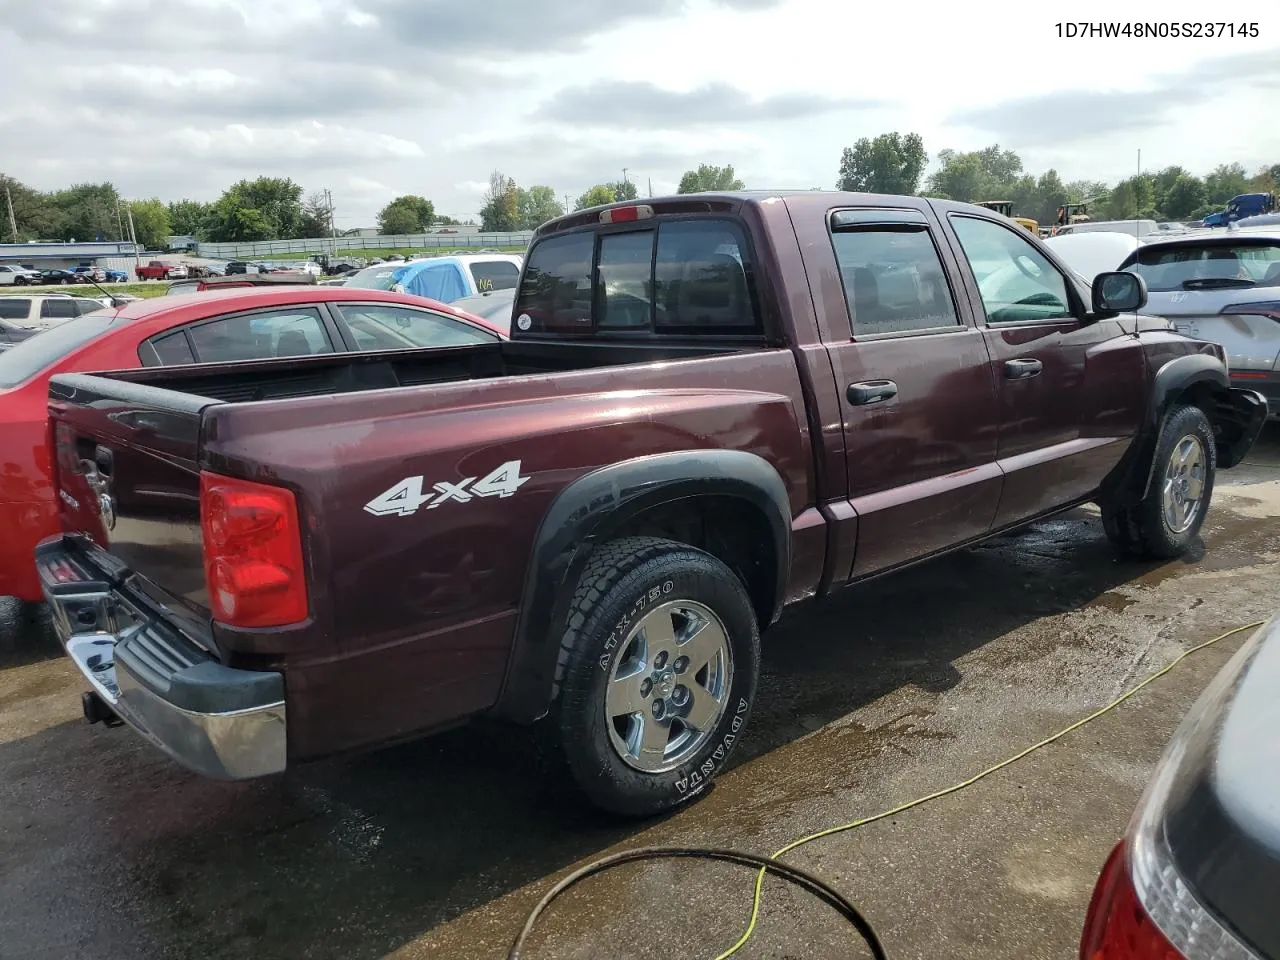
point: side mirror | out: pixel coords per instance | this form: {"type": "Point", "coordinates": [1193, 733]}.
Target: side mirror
{"type": "Point", "coordinates": [1118, 292]}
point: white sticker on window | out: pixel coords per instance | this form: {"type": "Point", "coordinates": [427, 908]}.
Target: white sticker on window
{"type": "Point", "coordinates": [524, 321]}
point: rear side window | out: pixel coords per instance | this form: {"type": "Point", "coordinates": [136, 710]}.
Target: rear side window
{"type": "Point", "coordinates": [14, 308]}
{"type": "Point", "coordinates": [261, 336]}
{"type": "Point", "coordinates": [892, 276]}
{"type": "Point", "coordinates": [24, 360]}
{"type": "Point", "coordinates": [494, 275]}
{"type": "Point", "coordinates": [682, 277]}
{"type": "Point", "coordinates": [58, 308]}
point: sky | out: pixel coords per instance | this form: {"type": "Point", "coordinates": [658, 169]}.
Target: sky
{"type": "Point", "coordinates": [372, 99]}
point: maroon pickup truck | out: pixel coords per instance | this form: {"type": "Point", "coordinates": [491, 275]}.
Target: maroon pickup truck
{"type": "Point", "coordinates": [710, 407]}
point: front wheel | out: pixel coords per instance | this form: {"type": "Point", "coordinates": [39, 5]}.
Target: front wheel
{"type": "Point", "coordinates": [657, 672]}
{"type": "Point", "coordinates": [1165, 523]}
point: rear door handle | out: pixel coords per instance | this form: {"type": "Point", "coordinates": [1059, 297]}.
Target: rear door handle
{"type": "Point", "coordinates": [871, 391]}
{"type": "Point", "coordinates": [1021, 369]}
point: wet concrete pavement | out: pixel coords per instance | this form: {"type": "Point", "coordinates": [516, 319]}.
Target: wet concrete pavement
{"type": "Point", "coordinates": [893, 690]}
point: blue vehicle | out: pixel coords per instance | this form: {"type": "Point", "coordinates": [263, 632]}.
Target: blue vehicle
{"type": "Point", "coordinates": [444, 279]}
{"type": "Point", "coordinates": [1245, 205]}
{"type": "Point", "coordinates": [117, 276]}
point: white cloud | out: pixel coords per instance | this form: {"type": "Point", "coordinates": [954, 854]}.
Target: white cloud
{"type": "Point", "coordinates": [374, 97]}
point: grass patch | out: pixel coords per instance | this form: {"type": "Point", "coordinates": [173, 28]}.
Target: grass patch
{"type": "Point", "coordinates": [154, 288]}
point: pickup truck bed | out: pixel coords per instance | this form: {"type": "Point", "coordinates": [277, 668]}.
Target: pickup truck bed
{"type": "Point", "coordinates": [710, 408]}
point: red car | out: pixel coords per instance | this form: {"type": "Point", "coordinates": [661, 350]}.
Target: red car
{"type": "Point", "coordinates": [211, 327]}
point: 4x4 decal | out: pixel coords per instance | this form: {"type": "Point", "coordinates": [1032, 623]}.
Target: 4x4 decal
{"type": "Point", "coordinates": [406, 497]}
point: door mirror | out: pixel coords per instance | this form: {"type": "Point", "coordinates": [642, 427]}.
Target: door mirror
{"type": "Point", "coordinates": [1118, 292]}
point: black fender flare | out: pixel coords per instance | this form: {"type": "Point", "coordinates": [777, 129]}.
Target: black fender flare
{"type": "Point", "coordinates": [588, 512]}
{"type": "Point", "coordinates": [1132, 478]}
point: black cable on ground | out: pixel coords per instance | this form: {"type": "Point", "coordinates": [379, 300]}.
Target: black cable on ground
{"type": "Point", "coordinates": [800, 878]}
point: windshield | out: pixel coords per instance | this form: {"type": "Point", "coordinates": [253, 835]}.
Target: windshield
{"type": "Point", "coordinates": [24, 360]}
{"type": "Point", "coordinates": [1191, 265]}
{"type": "Point", "coordinates": [380, 277]}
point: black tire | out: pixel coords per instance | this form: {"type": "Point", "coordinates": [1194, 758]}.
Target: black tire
{"type": "Point", "coordinates": [625, 581]}
{"type": "Point", "coordinates": [1143, 529]}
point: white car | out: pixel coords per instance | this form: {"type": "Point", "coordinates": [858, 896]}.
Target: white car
{"type": "Point", "coordinates": [1090, 254]}
{"type": "Point", "coordinates": [24, 317]}
{"type": "Point", "coordinates": [13, 275]}
{"type": "Point", "coordinates": [178, 271]}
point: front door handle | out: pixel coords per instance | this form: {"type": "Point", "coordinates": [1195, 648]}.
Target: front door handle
{"type": "Point", "coordinates": [871, 391]}
{"type": "Point", "coordinates": [1021, 369]}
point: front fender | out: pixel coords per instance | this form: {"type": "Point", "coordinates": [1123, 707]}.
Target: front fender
{"type": "Point", "coordinates": [587, 513]}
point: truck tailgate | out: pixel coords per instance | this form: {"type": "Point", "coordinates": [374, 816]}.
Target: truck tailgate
{"type": "Point", "coordinates": [129, 479]}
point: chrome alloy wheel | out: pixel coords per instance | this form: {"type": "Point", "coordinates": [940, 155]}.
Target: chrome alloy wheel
{"type": "Point", "coordinates": [669, 685]}
{"type": "Point", "coordinates": [1183, 484]}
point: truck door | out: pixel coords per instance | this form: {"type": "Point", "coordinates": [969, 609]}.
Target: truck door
{"type": "Point", "coordinates": [1072, 393]}
{"type": "Point", "coordinates": [918, 403]}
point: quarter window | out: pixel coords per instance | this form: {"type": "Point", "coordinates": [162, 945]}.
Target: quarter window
{"type": "Point", "coordinates": [626, 281]}
{"type": "Point", "coordinates": [173, 349]}
{"type": "Point", "coordinates": [893, 279]}
{"type": "Point", "coordinates": [1016, 282]}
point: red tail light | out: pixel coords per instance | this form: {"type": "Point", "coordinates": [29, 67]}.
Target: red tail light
{"type": "Point", "coordinates": [641, 211]}
{"type": "Point", "coordinates": [252, 552]}
{"type": "Point", "coordinates": [1118, 928]}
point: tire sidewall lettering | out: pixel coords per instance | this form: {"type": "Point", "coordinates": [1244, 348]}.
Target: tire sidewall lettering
{"type": "Point", "coordinates": [700, 777]}
{"type": "Point", "coordinates": [649, 597]}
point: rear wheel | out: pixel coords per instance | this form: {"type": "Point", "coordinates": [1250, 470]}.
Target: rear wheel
{"type": "Point", "coordinates": [657, 670]}
{"type": "Point", "coordinates": [1168, 519]}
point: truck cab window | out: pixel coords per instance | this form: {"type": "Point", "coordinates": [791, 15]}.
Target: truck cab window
{"type": "Point", "coordinates": [555, 295]}
{"type": "Point", "coordinates": [702, 279]}
{"type": "Point", "coordinates": [893, 279]}
{"type": "Point", "coordinates": [626, 281]}
{"type": "Point", "coordinates": [1017, 283]}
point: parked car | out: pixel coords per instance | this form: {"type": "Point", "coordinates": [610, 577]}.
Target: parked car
{"type": "Point", "coordinates": [1241, 207]}
{"type": "Point", "coordinates": [1223, 287]}
{"type": "Point", "coordinates": [88, 272]}
{"type": "Point", "coordinates": [1196, 876]}
{"type": "Point", "coordinates": [158, 270]}
{"type": "Point", "coordinates": [443, 278]}
{"type": "Point", "coordinates": [56, 276]}
{"type": "Point", "coordinates": [239, 266]}
{"type": "Point", "coordinates": [17, 276]}
{"type": "Point", "coordinates": [285, 321]}
{"type": "Point", "coordinates": [494, 306]}
{"type": "Point", "coordinates": [1090, 254]}
{"type": "Point", "coordinates": [117, 276]}
{"type": "Point", "coordinates": [23, 317]}
{"type": "Point", "coordinates": [178, 271]}
{"type": "Point", "coordinates": [1139, 228]}
{"type": "Point", "coordinates": [181, 287]}
{"type": "Point", "coordinates": [589, 523]}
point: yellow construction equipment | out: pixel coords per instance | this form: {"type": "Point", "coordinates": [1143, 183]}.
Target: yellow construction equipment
{"type": "Point", "coordinates": [1005, 208]}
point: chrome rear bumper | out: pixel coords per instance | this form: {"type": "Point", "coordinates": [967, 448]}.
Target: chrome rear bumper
{"type": "Point", "coordinates": [222, 723]}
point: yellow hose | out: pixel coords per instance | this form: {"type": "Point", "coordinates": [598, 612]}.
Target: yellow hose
{"type": "Point", "coordinates": [831, 831]}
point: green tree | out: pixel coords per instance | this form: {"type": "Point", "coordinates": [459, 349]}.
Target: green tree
{"type": "Point", "coordinates": [1182, 198]}
{"type": "Point", "coordinates": [151, 223]}
{"type": "Point", "coordinates": [33, 212]}
{"type": "Point", "coordinates": [442, 221]}
{"type": "Point", "coordinates": [977, 176]}
{"type": "Point", "coordinates": [1130, 199]}
{"type": "Point", "coordinates": [709, 178]}
{"type": "Point", "coordinates": [190, 218]}
{"type": "Point", "coordinates": [1083, 191]}
{"type": "Point", "coordinates": [87, 211]}
{"type": "Point", "coordinates": [315, 220]}
{"type": "Point", "coordinates": [536, 206]}
{"type": "Point", "coordinates": [598, 195]}
{"type": "Point", "coordinates": [891, 163]}
{"type": "Point", "coordinates": [407, 214]}
{"type": "Point", "coordinates": [501, 210]}
{"type": "Point", "coordinates": [623, 190]}
{"type": "Point", "coordinates": [1225, 181]}
{"type": "Point", "coordinates": [268, 208]}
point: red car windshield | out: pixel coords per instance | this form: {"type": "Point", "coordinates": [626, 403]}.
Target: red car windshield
{"type": "Point", "coordinates": [24, 360]}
